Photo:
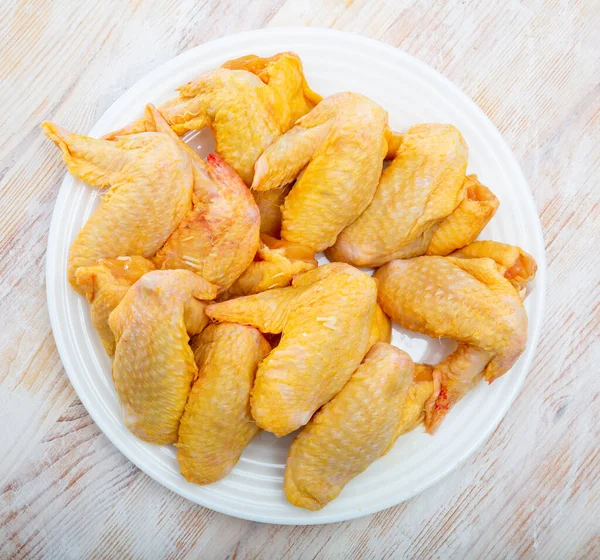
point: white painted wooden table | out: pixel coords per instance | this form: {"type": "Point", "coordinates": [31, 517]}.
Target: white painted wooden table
{"type": "Point", "coordinates": [533, 490]}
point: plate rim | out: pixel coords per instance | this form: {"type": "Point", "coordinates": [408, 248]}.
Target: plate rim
{"type": "Point", "coordinates": [540, 289]}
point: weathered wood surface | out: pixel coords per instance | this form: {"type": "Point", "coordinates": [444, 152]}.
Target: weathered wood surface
{"type": "Point", "coordinates": [532, 491]}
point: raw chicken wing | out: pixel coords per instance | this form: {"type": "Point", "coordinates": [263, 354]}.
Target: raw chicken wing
{"type": "Point", "coordinates": [336, 151]}
{"type": "Point", "coordinates": [354, 429]}
{"type": "Point", "coordinates": [465, 299]}
{"type": "Point", "coordinates": [151, 184]}
{"type": "Point", "coordinates": [216, 425]}
{"type": "Point", "coordinates": [219, 236]}
{"type": "Point", "coordinates": [325, 317]}
{"type": "Point", "coordinates": [154, 366]}
{"type": "Point", "coordinates": [421, 187]}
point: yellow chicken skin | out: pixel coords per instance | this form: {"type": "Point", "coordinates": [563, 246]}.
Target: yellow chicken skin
{"type": "Point", "coordinates": [218, 238]}
{"type": "Point", "coordinates": [422, 186]}
{"type": "Point", "coordinates": [325, 318]}
{"type": "Point", "coordinates": [336, 151]}
{"type": "Point", "coordinates": [354, 429]}
{"type": "Point", "coordinates": [151, 184]}
{"type": "Point", "coordinates": [274, 266]}
{"type": "Point", "coordinates": [245, 111]}
{"type": "Point", "coordinates": [216, 425]}
{"type": "Point", "coordinates": [284, 74]}
{"type": "Point", "coordinates": [453, 378]}
{"type": "Point", "coordinates": [466, 222]}
{"type": "Point", "coordinates": [105, 284]}
{"type": "Point", "coordinates": [517, 266]}
{"type": "Point", "coordinates": [394, 141]}
{"type": "Point", "coordinates": [465, 299]}
{"type": "Point", "coordinates": [154, 366]}
{"type": "Point", "coordinates": [419, 393]}
{"type": "Point", "coordinates": [269, 205]}
{"type": "Point", "coordinates": [381, 327]}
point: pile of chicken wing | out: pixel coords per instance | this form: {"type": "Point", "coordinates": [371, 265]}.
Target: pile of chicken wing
{"type": "Point", "coordinates": [204, 288]}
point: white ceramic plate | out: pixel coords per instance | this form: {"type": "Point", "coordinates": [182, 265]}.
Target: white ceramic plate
{"type": "Point", "coordinates": [412, 93]}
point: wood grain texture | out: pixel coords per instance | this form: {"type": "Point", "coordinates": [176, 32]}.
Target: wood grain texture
{"type": "Point", "coordinates": [532, 491]}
